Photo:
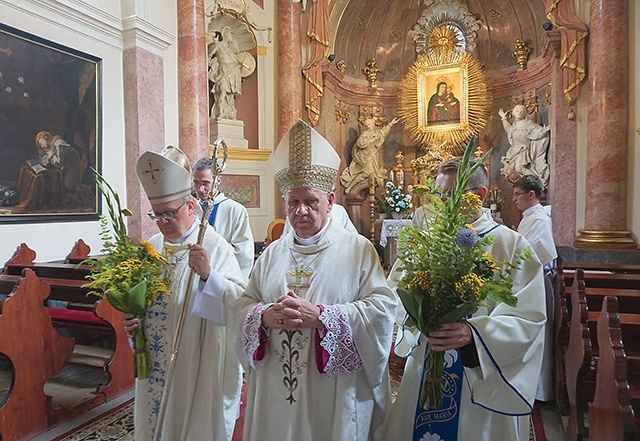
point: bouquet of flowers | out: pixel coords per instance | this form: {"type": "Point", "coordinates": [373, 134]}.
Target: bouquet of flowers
{"type": "Point", "coordinates": [394, 201]}
{"type": "Point", "coordinates": [130, 275]}
{"type": "Point", "coordinates": [447, 272]}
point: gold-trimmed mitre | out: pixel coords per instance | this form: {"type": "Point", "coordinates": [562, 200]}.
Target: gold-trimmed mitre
{"type": "Point", "coordinates": [165, 176]}
{"type": "Point", "coordinates": [304, 158]}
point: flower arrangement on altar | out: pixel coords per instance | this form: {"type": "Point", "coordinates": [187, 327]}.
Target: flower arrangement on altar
{"type": "Point", "coordinates": [448, 274]}
{"type": "Point", "coordinates": [395, 202]}
{"type": "Point", "coordinates": [130, 275]}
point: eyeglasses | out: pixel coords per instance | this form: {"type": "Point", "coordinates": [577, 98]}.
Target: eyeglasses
{"type": "Point", "coordinates": [519, 193]}
{"type": "Point", "coordinates": [166, 215]}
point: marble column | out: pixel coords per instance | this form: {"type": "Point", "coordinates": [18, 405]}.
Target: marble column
{"type": "Point", "coordinates": [193, 88]}
{"type": "Point", "coordinates": [607, 128]}
{"type": "Point", "coordinates": [143, 80]}
{"type": "Point", "coordinates": [289, 62]}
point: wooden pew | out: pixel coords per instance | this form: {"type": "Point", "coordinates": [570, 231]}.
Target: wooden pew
{"type": "Point", "coordinates": [561, 338]}
{"type": "Point", "coordinates": [577, 361]}
{"type": "Point", "coordinates": [610, 267]}
{"type": "Point", "coordinates": [36, 356]}
{"type": "Point", "coordinates": [622, 281]}
{"type": "Point", "coordinates": [86, 313]}
{"type": "Point", "coordinates": [606, 280]}
{"type": "Point", "coordinates": [611, 417]}
{"type": "Point", "coordinates": [585, 346]}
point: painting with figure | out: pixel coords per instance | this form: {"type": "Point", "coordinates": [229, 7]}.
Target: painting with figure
{"type": "Point", "coordinates": [442, 97]}
{"type": "Point", "coordinates": [49, 130]}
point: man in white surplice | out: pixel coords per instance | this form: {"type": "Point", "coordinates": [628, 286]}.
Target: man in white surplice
{"type": "Point", "coordinates": [500, 346]}
{"type": "Point", "coordinates": [204, 395]}
{"type": "Point", "coordinates": [317, 314]}
{"type": "Point", "coordinates": [535, 226]}
{"type": "Point", "coordinates": [228, 217]}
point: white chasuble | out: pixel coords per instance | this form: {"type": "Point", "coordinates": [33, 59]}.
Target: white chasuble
{"type": "Point", "coordinates": [498, 395]}
{"type": "Point", "coordinates": [288, 398]}
{"type": "Point", "coordinates": [205, 391]}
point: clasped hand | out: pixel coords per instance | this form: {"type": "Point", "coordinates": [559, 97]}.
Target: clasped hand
{"type": "Point", "coordinates": [293, 313]}
{"type": "Point", "coordinates": [450, 336]}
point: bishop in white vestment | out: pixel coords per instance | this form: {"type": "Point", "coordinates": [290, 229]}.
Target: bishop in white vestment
{"type": "Point", "coordinates": [204, 395]}
{"type": "Point", "coordinates": [317, 314]}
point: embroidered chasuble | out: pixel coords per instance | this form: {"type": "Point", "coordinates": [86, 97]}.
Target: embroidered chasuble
{"type": "Point", "coordinates": [496, 397]}
{"type": "Point", "coordinates": [303, 389]}
{"type": "Point", "coordinates": [205, 391]}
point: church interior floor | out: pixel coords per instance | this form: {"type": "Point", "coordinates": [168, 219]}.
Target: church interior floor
{"type": "Point", "coordinates": [75, 382]}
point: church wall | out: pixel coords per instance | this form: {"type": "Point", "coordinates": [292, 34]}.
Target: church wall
{"type": "Point", "coordinates": [94, 27]}
{"type": "Point", "coordinates": [634, 118]}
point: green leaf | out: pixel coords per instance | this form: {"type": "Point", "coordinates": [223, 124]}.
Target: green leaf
{"type": "Point", "coordinates": [115, 301]}
{"type": "Point", "coordinates": [136, 299]}
{"type": "Point", "coordinates": [459, 313]}
{"type": "Point", "coordinates": [411, 304]}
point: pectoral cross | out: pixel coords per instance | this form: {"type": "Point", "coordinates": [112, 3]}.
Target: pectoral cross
{"type": "Point", "coordinates": [299, 273]}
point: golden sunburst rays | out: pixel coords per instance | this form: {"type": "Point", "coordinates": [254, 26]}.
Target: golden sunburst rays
{"type": "Point", "coordinates": [417, 87]}
{"type": "Point", "coordinates": [443, 39]}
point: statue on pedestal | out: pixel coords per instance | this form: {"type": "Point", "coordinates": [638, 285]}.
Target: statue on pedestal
{"type": "Point", "coordinates": [224, 72]}
{"type": "Point", "coordinates": [529, 143]}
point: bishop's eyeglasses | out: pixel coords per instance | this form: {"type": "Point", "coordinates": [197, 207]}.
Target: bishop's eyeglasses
{"type": "Point", "coordinates": [166, 215]}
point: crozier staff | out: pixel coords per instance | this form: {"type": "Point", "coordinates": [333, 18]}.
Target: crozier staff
{"type": "Point", "coordinates": [202, 403]}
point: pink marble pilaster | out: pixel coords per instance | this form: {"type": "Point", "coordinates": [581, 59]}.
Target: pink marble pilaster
{"type": "Point", "coordinates": [289, 62]}
{"type": "Point", "coordinates": [607, 125]}
{"type": "Point", "coordinates": [143, 78]}
{"type": "Point", "coordinates": [193, 92]}
{"type": "Point", "coordinates": [562, 155]}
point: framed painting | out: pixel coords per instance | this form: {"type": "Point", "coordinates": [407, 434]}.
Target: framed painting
{"type": "Point", "coordinates": [50, 130]}
{"type": "Point", "coordinates": [444, 100]}
{"type": "Point", "coordinates": [442, 97]}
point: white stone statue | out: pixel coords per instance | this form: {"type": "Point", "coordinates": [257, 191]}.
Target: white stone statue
{"type": "Point", "coordinates": [365, 157]}
{"type": "Point", "coordinates": [529, 143]}
{"type": "Point", "coordinates": [224, 72]}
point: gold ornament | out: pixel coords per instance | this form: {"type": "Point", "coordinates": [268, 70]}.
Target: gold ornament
{"type": "Point", "coordinates": [475, 100]}
{"type": "Point", "coordinates": [521, 53]}
{"type": "Point", "coordinates": [372, 72]}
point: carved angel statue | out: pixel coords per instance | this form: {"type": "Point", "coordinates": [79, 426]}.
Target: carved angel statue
{"type": "Point", "coordinates": [365, 157]}
{"type": "Point", "coordinates": [529, 143]}
{"type": "Point", "coordinates": [224, 72]}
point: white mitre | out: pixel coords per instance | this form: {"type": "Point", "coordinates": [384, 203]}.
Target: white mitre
{"type": "Point", "coordinates": [165, 176]}
{"type": "Point", "coordinates": [304, 158]}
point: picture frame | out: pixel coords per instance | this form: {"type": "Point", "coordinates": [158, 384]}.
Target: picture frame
{"type": "Point", "coordinates": [436, 119]}
{"type": "Point", "coordinates": [50, 142]}
{"type": "Point", "coordinates": [442, 97]}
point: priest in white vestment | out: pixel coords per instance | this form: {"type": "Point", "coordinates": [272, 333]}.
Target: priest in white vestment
{"type": "Point", "coordinates": [500, 348]}
{"type": "Point", "coordinates": [535, 226]}
{"type": "Point", "coordinates": [204, 393]}
{"type": "Point", "coordinates": [228, 217]}
{"type": "Point", "coordinates": [317, 314]}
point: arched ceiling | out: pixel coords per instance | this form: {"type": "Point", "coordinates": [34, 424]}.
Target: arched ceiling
{"type": "Point", "coordinates": [364, 29]}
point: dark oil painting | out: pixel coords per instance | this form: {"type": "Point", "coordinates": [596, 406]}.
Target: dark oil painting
{"type": "Point", "coordinates": [49, 130]}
